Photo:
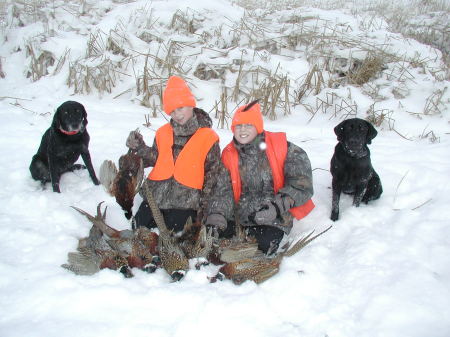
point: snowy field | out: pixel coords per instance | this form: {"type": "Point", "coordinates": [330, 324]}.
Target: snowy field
{"type": "Point", "coordinates": [382, 270]}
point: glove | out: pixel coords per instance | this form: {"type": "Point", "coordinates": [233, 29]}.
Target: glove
{"type": "Point", "coordinates": [284, 203]}
{"type": "Point", "coordinates": [135, 140]}
{"type": "Point", "coordinates": [269, 212]}
{"type": "Point", "coordinates": [266, 215]}
{"type": "Point", "coordinates": [216, 220]}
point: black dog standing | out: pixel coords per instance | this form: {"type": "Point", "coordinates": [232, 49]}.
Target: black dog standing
{"type": "Point", "coordinates": [351, 166]}
{"type": "Point", "coordinates": [61, 146]}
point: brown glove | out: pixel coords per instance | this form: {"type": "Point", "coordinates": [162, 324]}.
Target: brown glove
{"type": "Point", "coordinates": [274, 209]}
{"type": "Point", "coordinates": [135, 140]}
{"type": "Point", "coordinates": [284, 203]}
{"type": "Point", "coordinates": [266, 215]}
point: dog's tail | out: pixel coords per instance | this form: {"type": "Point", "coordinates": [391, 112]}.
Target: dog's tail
{"type": "Point", "coordinates": [108, 172]}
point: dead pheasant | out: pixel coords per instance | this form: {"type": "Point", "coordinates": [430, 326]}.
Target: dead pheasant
{"type": "Point", "coordinates": [106, 247]}
{"type": "Point", "coordinates": [173, 259]}
{"type": "Point", "coordinates": [197, 242]}
{"type": "Point", "coordinates": [124, 183]}
{"type": "Point", "coordinates": [259, 267]}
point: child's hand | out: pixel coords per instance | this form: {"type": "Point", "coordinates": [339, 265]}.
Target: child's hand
{"type": "Point", "coordinates": [135, 140]}
{"type": "Point", "coordinates": [284, 203]}
{"type": "Point", "coordinates": [216, 220]}
{"type": "Point", "coordinates": [266, 215]}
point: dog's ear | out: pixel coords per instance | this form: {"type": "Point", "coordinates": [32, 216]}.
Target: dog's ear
{"type": "Point", "coordinates": [371, 133]}
{"type": "Point", "coordinates": [339, 131]}
{"type": "Point", "coordinates": [85, 120]}
{"type": "Point", "coordinates": [56, 123]}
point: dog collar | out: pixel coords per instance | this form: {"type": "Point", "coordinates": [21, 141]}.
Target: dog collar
{"type": "Point", "coordinates": [69, 133]}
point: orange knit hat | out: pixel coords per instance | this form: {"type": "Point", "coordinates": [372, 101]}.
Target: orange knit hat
{"type": "Point", "coordinates": [249, 114]}
{"type": "Point", "coordinates": [177, 95]}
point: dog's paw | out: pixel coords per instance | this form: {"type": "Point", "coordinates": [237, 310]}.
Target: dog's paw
{"type": "Point", "coordinates": [334, 216]}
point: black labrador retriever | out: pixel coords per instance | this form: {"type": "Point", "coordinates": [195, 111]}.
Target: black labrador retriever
{"type": "Point", "coordinates": [61, 146]}
{"type": "Point", "coordinates": [351, 166]}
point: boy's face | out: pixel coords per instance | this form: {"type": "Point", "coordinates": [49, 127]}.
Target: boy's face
{"type": "Point", "coordinates": [182, 115]}
{"type": "Point", "coordinates": [245, 133]}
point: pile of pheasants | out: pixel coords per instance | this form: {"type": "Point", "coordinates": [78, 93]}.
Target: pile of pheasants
{"type": "Point", "coordinates": [142, 248]}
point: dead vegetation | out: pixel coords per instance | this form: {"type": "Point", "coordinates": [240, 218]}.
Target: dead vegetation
{"type": "Point", "coordinates": [434, 104]}
{"type": "Point", "coordinates": [337, 57]}
{"type": "Point", "coordinates": [184, 22]}
{"type": "Point", "coordinates": [311, 85]}
{"type": "Point", "coordinates": [40, 62]}
{"type": "Point", "coordinates": [84, 76]}
{"type": "Point", "coordinates": [380, 117]}
{"type": "Point", "coordinates": [2, 74]}
{"type": "Point", "coordinates": [367, 70]}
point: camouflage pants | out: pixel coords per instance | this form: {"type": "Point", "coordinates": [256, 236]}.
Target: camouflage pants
{"type": "Point", "coordinates": [175, 219]}
{"type": "Point", "coordinates": [268, 237]}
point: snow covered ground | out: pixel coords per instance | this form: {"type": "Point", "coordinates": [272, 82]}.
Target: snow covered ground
{"type": "Point", "coordinates": [382, 270]}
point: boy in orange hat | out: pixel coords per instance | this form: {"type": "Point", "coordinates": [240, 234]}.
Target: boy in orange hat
{"type": "Point", "coordinates": [185, 157]}
{"type": "Point", "coordinates": [270, 179]}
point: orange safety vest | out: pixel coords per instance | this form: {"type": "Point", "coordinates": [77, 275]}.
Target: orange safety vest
{"type": "Point", "coordinates": [274, 140]}
{"type": "Point", "coordinates": [189, 168]}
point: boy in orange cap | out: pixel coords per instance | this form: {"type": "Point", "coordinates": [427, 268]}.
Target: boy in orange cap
{"type": "Point", "coordinates": [185, 157]}
{"type": "Point", "coordinates": [270, 179]}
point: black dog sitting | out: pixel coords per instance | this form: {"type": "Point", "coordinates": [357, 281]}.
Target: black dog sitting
{"type": "Point", "coordinates": [351, 166]}
{"type": "Point", "coordinates": [61, 146]}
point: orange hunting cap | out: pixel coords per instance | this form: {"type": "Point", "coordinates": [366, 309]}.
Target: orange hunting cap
{"type": "Point", "coordinates": [249, 114]}
{"type": "Point", "coordinates": [177, 95]}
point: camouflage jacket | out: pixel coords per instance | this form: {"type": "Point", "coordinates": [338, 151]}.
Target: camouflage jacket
{"type": "Point", "coordinates": [171, 194]}
{"type": "Point", "coordinates": [257, 183]}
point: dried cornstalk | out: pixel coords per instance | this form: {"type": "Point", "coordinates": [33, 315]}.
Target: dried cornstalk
{"type": "Point", "coordinates": [434, 104]}
{"type": "Point", "coordinates": [61, 61]}
{"type": "Point", "coordinates": [96, 45]}
{"type": "Point", "coordinates": [346, 108]}
{"type": "Point", "coordinates": [182, 22]}
{"type": "Point", "coordinates": [84, 78]}
{"type": "Point", "coordinates": [236, 89]}
{"type": "Point", "coordinates": [378, 117]}
{"type": "Point", "coordinates": [2, 74]}
{"type": "Point", "coordinates": [39, 64]}
{"type": "Point", "coordinates": [313, 83]}
{"type": "Point", "coordinates": [222, 113]}
{"type": "Point", "coordinates": [371, 66]}
{"type": "Point", "coordinates": [116, 43]}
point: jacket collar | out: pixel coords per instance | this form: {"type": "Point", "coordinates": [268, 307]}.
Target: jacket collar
{"type": "Point", "coordinates": [254, 147]}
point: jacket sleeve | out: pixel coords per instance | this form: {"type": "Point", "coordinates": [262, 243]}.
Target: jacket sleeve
{"type": "Point", "coordinates": [217, 196]}
{"type": "Point", "coordinates": [148, 154]}
{"type": "Point", "coordinates": [298, 182]}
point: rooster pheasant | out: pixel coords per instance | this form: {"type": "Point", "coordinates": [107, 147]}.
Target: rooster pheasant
{"type": "Point", "coordinates": [106, 247]}
{"type": "Point", "coordinates": [197, 241]}
{"type": "Point", "coordinates": [124, 183]}
{"type": "Point", "coordinates": [257, 268]}
{"type": "Point", "coordinates": [173, 259]}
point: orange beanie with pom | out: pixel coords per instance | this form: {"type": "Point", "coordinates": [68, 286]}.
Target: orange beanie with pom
{"type": "Point", "coordinates": [177, 95]}
{"type": "Point", "coordinates": [249, 114]}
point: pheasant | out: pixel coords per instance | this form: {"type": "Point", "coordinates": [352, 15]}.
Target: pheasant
{"type": "Point", "coordinates": [173, 259]}
{"type": "Point", "coordinates": [106, 247]}
{"type": "Point", "coordinates": [258, 268]}
{"type": "Point", "coordinates": [197, 242]}
{"type": "Point", "coordinates": [124, 183]}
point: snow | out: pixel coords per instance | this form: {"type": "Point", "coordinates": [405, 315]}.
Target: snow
{"type": "Point", "coordinates": [382, 270]}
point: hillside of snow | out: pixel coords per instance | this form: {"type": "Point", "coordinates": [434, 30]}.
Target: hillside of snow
{"type": "Point", "coordinates": [382, 270]}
